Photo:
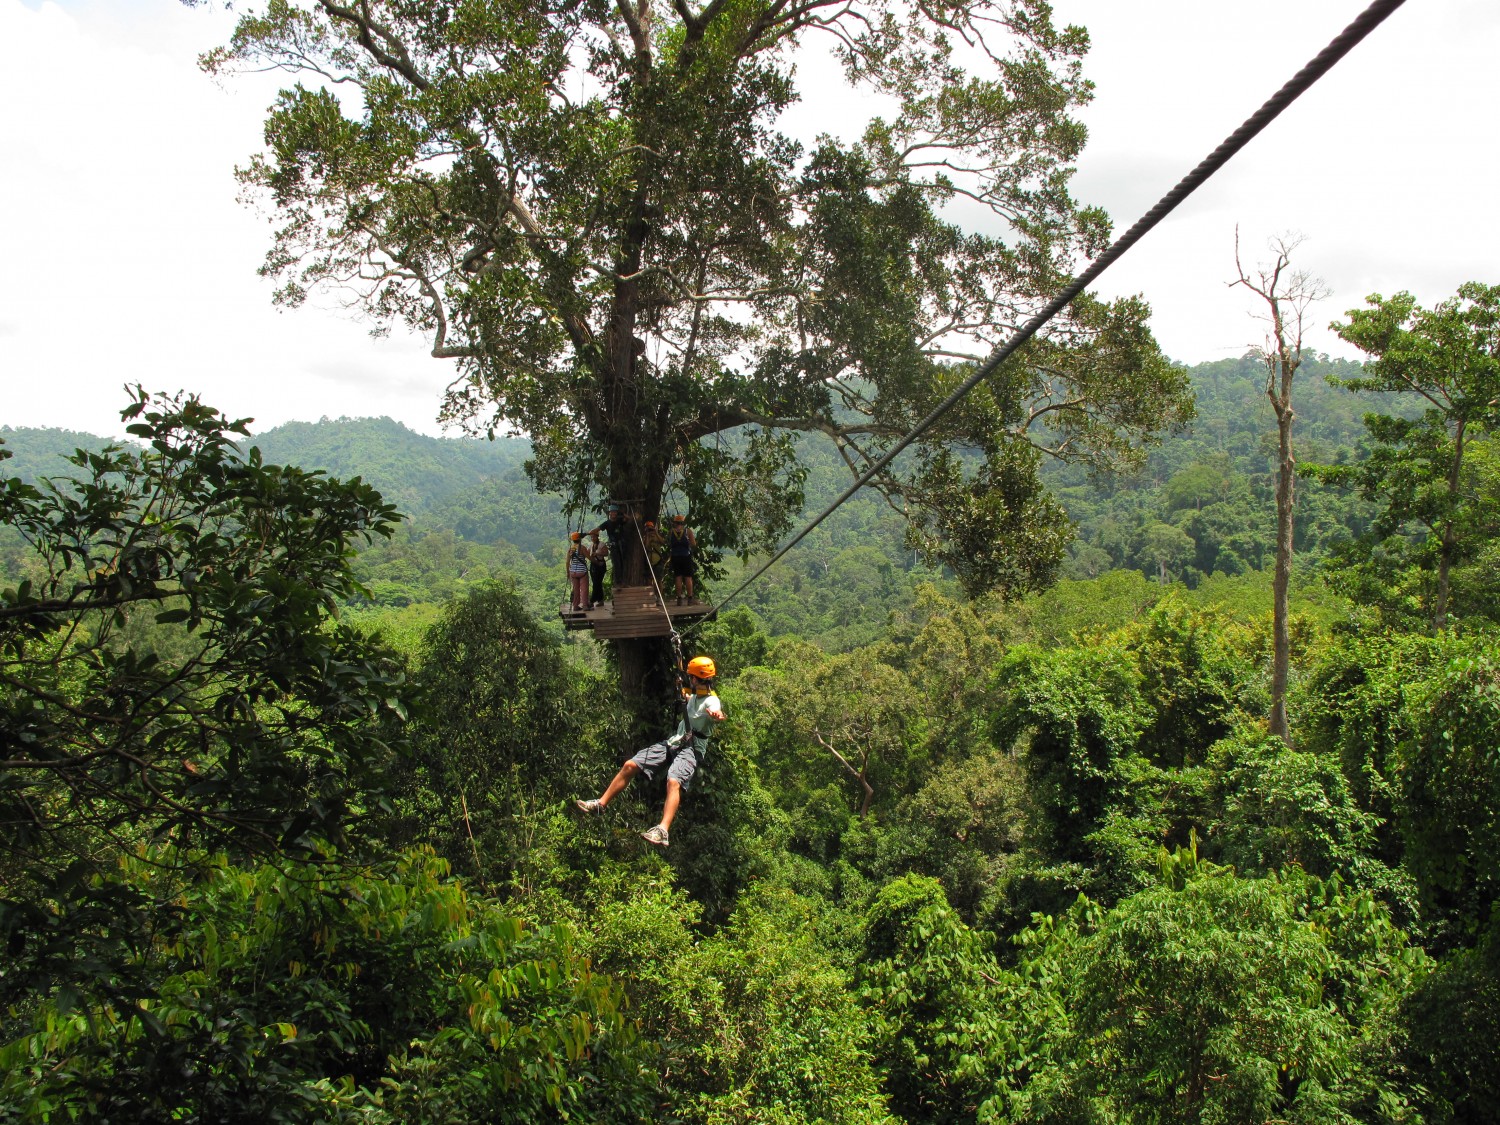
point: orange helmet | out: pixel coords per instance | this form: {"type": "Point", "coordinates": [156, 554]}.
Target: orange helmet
{"type": "Point", "coordinates": [650, 524]}
{"type": "Point", "coordinates": [679, 519]}
{"type": "Point", "coordinates": [702, 668]}
{"type": "Point", "coordinates": [576, 536]}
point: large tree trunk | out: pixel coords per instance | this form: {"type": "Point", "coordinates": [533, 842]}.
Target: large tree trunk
{"type": "Point", "coordinates": [1445, 565]}
{"type": "Point", "coordinates": [646, 683]}
{"type": "Point", "coordinates": [1287, 295]}
{"type": "Point", "coordinates": [1448, 544]}
{"type": "Point", "coordinates": [645, 663]}
{"type": "Point", "coordinates": [631, 432]}
{"type": "Point", "coordinates": [1281, 643]}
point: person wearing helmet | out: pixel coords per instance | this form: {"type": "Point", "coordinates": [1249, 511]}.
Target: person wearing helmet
{"type": "Point", "coordinates": [598, 560]}
{"type": "Point", "coordinates": [680, 754]}
{"type": "Point", "coordinates": [680, 547]}
{"type": "Point", "coordinates": [578, 571]}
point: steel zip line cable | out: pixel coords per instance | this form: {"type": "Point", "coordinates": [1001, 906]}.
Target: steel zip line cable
{"type": "Point", "coordinates": [1341, 45]}
{"type": "Point", "coordinates": [672, 632]}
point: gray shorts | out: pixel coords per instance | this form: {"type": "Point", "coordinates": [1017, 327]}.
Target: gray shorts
{"type": "Point", "coordinates": [683, 762]}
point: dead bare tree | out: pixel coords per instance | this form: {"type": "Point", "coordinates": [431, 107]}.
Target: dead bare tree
{"type": "Point", "coordinates": [1287, 294]}
{"type": "Point", "coordinates": [857, 774]}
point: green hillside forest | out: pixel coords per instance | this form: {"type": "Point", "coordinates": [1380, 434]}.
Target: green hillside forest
{"type": "Point", "coordinates": [1127, 752]}
{"type": "Point", "coordinates": [290, 807]}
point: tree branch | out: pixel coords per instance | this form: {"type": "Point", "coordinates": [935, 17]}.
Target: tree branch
{"type": "Point", "coordinates": [858, 775]}
{"type": "Point", "coordinates": [397, 58]}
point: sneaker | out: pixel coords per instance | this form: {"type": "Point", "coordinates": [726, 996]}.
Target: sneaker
{"type": "Point", "coordinates": [656, 834]}
{"type": "Point", "coordinates": [592, 805]}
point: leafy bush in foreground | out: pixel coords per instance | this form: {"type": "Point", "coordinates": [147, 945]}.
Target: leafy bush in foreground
{"type": "Point", "coordinates": [300, 992]}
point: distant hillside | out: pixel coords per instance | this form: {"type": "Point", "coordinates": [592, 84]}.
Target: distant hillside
{"type": "Point", "coordinates": [38, 453]}
{"type": "Point", "coordinates": [412, 470]}
{"type": "Point", "coordinates": [1202, 506]}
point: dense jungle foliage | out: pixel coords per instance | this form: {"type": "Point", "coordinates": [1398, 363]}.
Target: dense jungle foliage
{"type": "Point", "coordinates": [1201, 508]}
{"type": "Point", "coordinates": [289, 835]}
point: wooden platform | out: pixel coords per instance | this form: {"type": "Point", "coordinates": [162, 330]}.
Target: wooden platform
{"type": "Point", "coordinates": [635, 612]}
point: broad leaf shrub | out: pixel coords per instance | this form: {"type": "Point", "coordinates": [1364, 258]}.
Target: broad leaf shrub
{"type": "Point", "coordinates": [1136, 739]}
{"type": "Point", "coordinates": [756, 1022]}
{"type": "Point", "coordinates": [1083, 711]}
{"type": "Point", "coordinates": [509, 732]}
{"type": "Point", "coordinates": [1454, 1021]}
{"type": "Point", "coordinates": [1115, 734]}
{"type": "Point", "coordinates": [172, 669]}
{"type": "Point", "coordinates": [323, 993]}
{"type": "Point", "coordinates": [1415, 721]}
{"type": "Point", "coordinates": [1277, 807]}
{"type": "Point", "coordinates": [1212, 997]}
{"type": "Point", "coordinates": [173, 664]}
{"type": "Point", "coordinates": [941, 1013]}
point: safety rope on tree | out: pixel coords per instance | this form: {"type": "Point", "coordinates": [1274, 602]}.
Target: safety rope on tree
{"type": "Point", "coordinates": [676, 638]}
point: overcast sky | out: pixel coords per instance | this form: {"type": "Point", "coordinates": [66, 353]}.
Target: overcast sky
{"type": "Point", "coordinates": [128, 259]}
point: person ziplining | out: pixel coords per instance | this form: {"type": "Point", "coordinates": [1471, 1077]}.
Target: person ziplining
{"type": "Point", "coordinates": [681, 754]}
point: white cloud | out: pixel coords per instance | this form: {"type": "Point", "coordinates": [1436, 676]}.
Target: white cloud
{"type": "Point", "coordinates": [129, 260]}
{"type": "Point", "coordinates": [1384, 165]}
{"type": "Point", "coordinates": [133, 261]}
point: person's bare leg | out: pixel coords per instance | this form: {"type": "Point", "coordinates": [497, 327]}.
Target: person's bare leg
{"type": "Point", "coordinates": [674, 798]}
{"type": "Point", "coordinates": [622, 779]}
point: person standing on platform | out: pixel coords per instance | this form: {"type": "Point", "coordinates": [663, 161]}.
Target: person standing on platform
{"type": "Point", "coordinates": [656, 549]}
{"type": "Point", "coordinates": [577, 565]}
{"type": "Point", "coordinates": [680, 547]}
{"type": "Point", "coordinates": [614, 528]}
{"type": "Point", "coordinates": [598, 557]}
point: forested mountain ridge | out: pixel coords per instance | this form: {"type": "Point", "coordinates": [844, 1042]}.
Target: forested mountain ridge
{"type": "Point", "coordinates": [414, 471]}
{"type": "Point", "coordinates": [948, 859]}
{"type": "Point", "coordinates": [37, 452]}
{"type": "Point", "coordinates": [1201, 507]}
{"type": "Point", "coordinates": [1204, 504]}
{"type": "Point", "coordinates": [1233, 420]}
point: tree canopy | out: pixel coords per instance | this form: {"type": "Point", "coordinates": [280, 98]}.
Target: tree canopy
{"type": "Point", "coordinates": [171, 675]}
{"type": "Point", "coordinates": [596, 211]}
{"type": "Point", "coordinates": [1084, 881]}
{"type": "Point", "coordinates": [1433, 472]}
